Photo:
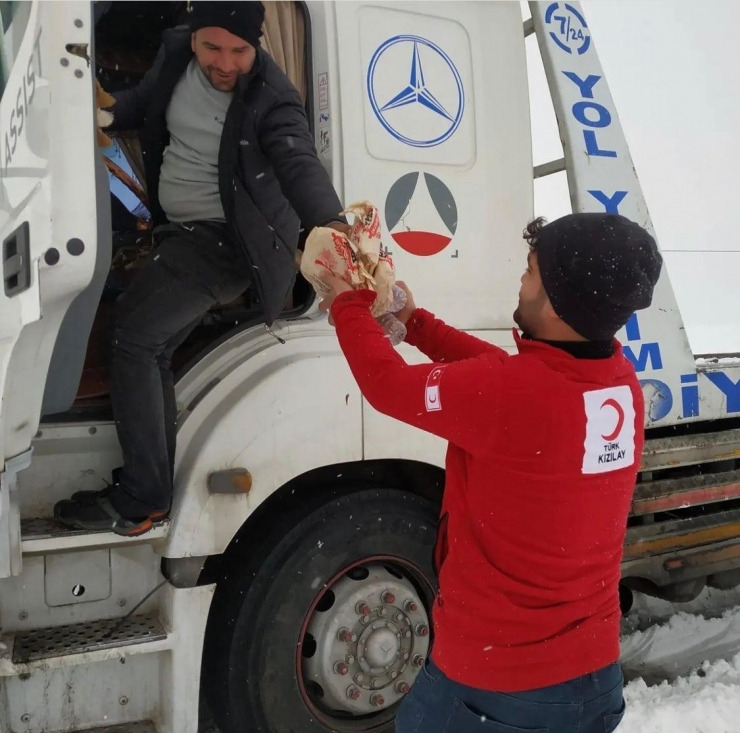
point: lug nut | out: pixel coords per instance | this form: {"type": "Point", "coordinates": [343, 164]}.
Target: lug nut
{"type": "Point", "coordinates": [341, 668]}
{"type": "Point", "coordinates": [411, 606]}
{"type": "Point", "coordinates": [349, 659]}
{"type": "Point", "coordinates": [377, 701]}
{"type": "Point", "coordinates": [363, 609]}
{"type": "Point", "coordinates": [394, 674]}
{"type": "Point", "coordinates": [399, 617]}
{"type": "Point", "coordinates": [353, 693]}
{"type": "Point", "coordinates": [422, 630]}
{"type": "Point", "coordinates": [403, 688]}
{"type": "Point", "coordinates": [359, 677]}
{"type": "Point", "coordinates": [388, 598]}
{"type": "Point", "coordinates": [381, 611]}
{"type": "Point", "coordinates": [407, 633]}
{"type": "Point", "coordinates": [418, 661]}
{"type": "Point", "coordinates": [344, 635]}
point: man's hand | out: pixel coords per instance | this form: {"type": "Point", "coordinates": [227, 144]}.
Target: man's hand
{"type": "Point", "coordinates": [335, 286]}
{"type": "Point", "coordinates": [408, 310]}
{"type": "Point", "coordinates": [340, 226]}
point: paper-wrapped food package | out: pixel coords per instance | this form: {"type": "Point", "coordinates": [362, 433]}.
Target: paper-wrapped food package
{"type": "Point", "coordinates": [359, 259]}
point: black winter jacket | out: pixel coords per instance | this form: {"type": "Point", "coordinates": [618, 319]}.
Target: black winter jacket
{"type": "Point", "coordinates": [270, 178]}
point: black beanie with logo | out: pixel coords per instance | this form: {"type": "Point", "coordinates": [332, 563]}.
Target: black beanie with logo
{"type": "Point", "coordinates": [244, 19]}
{"type": "Point", "coordinates": [597, 270]}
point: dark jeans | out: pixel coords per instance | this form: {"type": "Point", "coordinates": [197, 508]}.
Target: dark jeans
{"type": "Point", "coordinates": [193, 267]}
{"type": "Point", "coordinates": [590, 704]}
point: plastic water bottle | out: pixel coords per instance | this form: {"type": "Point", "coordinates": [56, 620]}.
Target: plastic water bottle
{"type": "Point", "coordinates": [394, 329]}
{"type": "Point", "coordinates": [399, 299]}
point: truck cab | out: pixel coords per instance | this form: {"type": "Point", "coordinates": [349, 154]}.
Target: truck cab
{"type": "Point", "coordinates": [291, 587]}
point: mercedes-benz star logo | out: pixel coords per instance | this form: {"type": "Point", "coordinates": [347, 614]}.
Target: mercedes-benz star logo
{"type": "Point", "coordinates": [417, 91]}
{"type": "Point", "coordinates": [446, 103]}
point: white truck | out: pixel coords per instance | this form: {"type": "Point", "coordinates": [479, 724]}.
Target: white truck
{"type": "Point", "coordinates": [290, 590]}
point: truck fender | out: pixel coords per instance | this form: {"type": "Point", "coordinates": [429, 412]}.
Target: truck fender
{"type": "Point", "coordinates": [277, 405]}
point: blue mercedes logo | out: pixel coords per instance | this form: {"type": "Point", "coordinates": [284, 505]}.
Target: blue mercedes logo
{"type": "Point", "coordinates": [428, 109]}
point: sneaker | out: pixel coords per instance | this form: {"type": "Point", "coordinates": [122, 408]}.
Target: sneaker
{"type": "Point", "coordinates": [98, 514]}
{"type": "Point", "coordinates": [86, 498]}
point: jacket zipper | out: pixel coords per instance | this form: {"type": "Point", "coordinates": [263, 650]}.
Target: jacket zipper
{"type": "Point", "coordinates": [278, 241]}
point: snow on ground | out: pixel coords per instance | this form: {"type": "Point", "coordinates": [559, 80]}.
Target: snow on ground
{"type": "Point", "coordinates": [682, 663]}
{"type": "Point", "coordinates": [708, 701]}
{"type": "Point", "coordinates": [662, 641]}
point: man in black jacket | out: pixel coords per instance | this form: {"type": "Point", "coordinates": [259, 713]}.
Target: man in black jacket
{"type": "Point", "coordinates": [232, 172]}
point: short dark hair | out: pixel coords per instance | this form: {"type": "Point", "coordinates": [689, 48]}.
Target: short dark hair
{"type": "Point", "coordinates": [532, 232]}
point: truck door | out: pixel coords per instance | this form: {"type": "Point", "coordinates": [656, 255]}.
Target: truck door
{"type": "Point", "coordinates": [48, 220]}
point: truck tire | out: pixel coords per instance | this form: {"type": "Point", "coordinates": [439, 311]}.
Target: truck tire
{"type": "Point", "coordinates": [327, 628]}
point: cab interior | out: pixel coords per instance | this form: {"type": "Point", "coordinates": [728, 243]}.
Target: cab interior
{"type": "Point", "coordinates": [127, 38]}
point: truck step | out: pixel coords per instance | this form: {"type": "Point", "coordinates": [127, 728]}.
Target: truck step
{"type": "Point", "coordinates": [688, 450]}
{"type": "Point", "coordinates": [44, 536]}
{"type": "Point", "coordinates": [145, 726]}
{"type": "Point", "coordinates": [92, 639]}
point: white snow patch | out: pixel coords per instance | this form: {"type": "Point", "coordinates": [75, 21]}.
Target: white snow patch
{"type": "Point", "coordinates": [683, 661]}
{"type": "Point", "coordinates": [659, 644]}
{"type": "Point", "coordinates": [669, 650]}
{"type": "Point", "coordinates": [717, 361]}
{"type": "Point", "coordinates": [705, 702]}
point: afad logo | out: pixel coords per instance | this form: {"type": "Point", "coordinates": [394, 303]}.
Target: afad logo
{"type": "Point", "coordinates": [422, 219]}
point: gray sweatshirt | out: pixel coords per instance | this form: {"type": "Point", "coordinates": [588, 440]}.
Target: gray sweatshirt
{"type": "Point", "coordinates": [188, 183]}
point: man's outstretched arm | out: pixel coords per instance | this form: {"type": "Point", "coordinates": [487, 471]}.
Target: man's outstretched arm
{"type": "Point", "coordinates": [446, 399]}
{"type": "Point", "coordinates": [286, 138]}
{"type": "Point", "coordinates": [443, 343]}
{"type": "Point", "coordinates": [438, 341]}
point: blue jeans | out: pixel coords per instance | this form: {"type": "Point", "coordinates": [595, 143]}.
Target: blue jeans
{"type": "Point", "coordinates": [589, 704]}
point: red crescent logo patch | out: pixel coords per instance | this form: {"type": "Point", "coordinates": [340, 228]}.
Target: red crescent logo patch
{"type": "Point", "coordinates": [620, 420]}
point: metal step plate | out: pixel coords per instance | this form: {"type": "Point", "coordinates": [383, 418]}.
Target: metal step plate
{"type": "Point", "coordinates": [42, 535]}
{"type": "Point", "coordinates": [45, 527]}
{"type": "Point", "coordinates": [61, 641]}
{"type": "Point", "coordinates": [143, 727]}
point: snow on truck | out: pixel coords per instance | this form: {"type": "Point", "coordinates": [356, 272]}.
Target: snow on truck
{"type": "Point", "coordinates": [291, 587]}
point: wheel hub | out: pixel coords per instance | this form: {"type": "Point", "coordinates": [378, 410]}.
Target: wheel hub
{"type": "Point", "coordinates": [379, 646]}
{"type": "Point", "coordinates": [371, 637]}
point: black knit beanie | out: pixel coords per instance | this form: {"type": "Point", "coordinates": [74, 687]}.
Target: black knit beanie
{"type": "Point", "coordinates": [597, 270]}
{"type": "Point", "coordinates": [243, 18]}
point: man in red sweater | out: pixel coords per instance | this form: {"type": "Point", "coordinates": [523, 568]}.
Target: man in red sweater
{"type": "Point", "coordinates": [544, 449]}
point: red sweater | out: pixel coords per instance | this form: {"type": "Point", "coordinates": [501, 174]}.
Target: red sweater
{"type": "Point", "coordinates": [541, 466]}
